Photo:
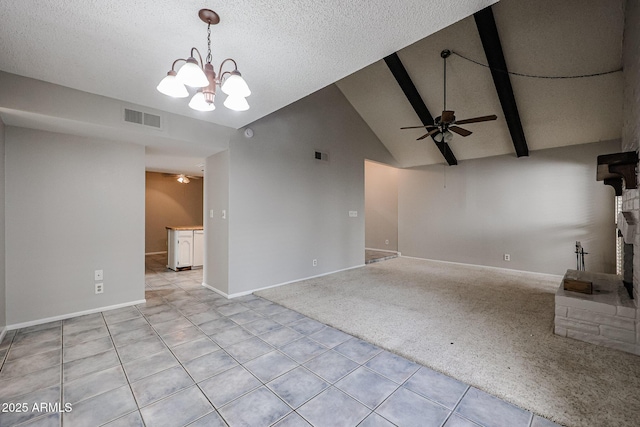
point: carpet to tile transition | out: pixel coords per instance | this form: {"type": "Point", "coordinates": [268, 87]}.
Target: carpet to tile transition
{"type": "Point", "coordinates": [491, 328]}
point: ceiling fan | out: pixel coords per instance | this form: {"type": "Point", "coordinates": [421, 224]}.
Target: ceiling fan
{"type": "Point", "coordinates": [446, 123]}
{"type": "Point", "coordinates": [182, 178]}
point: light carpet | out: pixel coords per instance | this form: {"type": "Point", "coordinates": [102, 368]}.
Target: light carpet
{"type": "Point", "coordinates": [491, 328]}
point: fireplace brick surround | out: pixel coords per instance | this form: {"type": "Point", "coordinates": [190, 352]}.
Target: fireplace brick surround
{"type": "Point", "coordinates": [608, 317]}
{"type": "Point", "coordinates": [614, 321]}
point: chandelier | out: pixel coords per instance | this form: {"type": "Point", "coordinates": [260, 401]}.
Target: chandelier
{"type": "Point", "coordinates": [197, 73]}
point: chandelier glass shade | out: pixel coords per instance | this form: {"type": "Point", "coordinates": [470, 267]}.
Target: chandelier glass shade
{"type": "Point", "coordinates": [199, 102]}
{"type": "Point", "coordinates": [199, 74]}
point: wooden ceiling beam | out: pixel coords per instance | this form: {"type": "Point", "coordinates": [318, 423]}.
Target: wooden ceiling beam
{"type": "Point", "coordinates": [493, 51]}
{"type": "Point", "coordinates": [410, 91]}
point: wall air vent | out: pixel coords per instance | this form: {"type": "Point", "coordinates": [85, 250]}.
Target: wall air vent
{"type": "Point", "coordinates": [322, 156]}
{"type": "Point", "coordinates": [142, 118]}
{"type": "Point", "coordinates": [133, 116]}
{"type": "Point", "coordinates": [152, 120]}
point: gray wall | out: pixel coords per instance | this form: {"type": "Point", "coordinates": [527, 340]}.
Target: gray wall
{"type": "Point", "coordinates": [631, 122]}
{"type": "Point", "coordinates": [533, 208]}
{"type": "Point", "coordinates": [3, 304]}
{"type": "Point", "coordinates": [216, 228]}
{"type": "Point", "coordinates": [286, 208]}
{"type": "Point", "coordinates": [381, 206]}
{"type": "Point", "coordinates": [73, 205]}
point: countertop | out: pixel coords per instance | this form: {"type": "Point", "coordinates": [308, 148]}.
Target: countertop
{"type": "Point", "coordinates": [193, 227]}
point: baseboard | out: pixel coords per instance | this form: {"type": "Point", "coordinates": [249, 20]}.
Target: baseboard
{"type": "Point", "coordinates": [70, 315]}
{"type": "Point", "coordinates": [3, 332]}
{"type": "Point", "coordinates": [217, 291]}
{"type": "Point", "coordinates": [382, 250]}
{"type": "Point", "coordinates": [491, 267]}
{"type": "Point", "coordinates": [155, 253]}
{"type": "Point", "coordinates": [241, 294]}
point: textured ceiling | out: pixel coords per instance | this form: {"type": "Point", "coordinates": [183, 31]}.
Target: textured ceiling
{"type": "Point", "coordinates": [544, 37]}
{"type": "Point", "coordinates": [285, 50]}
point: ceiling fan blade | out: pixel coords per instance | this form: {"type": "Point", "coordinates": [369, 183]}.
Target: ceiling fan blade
{"type": "Point", "coordinates": [476, 119]}
{"type": "Point", "coordinates": [419, 127]}
{"type": "Point", "coordinates": [460, 131]}
{"type": "Point", "coordinates": [431, 132]}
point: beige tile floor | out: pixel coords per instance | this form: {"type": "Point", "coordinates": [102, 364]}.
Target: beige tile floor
{"type": "Point", "coordinates": [191, 357]}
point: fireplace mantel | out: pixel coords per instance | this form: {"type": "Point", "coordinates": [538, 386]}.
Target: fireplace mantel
{"type": "Point", "coordinates": [614, 168]}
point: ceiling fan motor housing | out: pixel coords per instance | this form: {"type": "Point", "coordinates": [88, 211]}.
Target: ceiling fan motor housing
{"type": "Point", "coordinates": [447, 116]}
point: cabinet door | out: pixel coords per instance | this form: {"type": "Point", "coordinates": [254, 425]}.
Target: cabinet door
{"type": "Point", "coordinates": [198, 248]}
{"type": "Point", "coordinates": [185, 250]}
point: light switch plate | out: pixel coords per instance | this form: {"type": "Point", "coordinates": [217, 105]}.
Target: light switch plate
{"type": "Point", "coordinates": [353, 214]}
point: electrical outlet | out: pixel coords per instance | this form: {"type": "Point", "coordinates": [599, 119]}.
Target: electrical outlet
{"type": "Point", "coordinates": [386, 242]}
{"type": "Point", "coordinates": [507, 257]}
{"type": "Point", "coordinates": [98, 275]}
{"type": "Point", "coordinates": [353, 214]}
{"type": "Point", "coordinates": [315, 262]}
{"type": "Point", "coordinates": [99, 288]}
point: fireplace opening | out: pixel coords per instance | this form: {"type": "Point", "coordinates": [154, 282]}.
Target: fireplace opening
{"type": "Point", "coordinates": [626, 225]}
{"type": "Point", "coordinates": [627, 268]}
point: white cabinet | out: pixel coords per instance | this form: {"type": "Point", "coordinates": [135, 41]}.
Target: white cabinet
{"type": "Point", "coordinates": [185, 247]}
{"type": "Point", "coordinates": [198, 248]}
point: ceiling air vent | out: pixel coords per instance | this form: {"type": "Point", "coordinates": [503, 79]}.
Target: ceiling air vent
{"type": "Point", "coordinates": [142, 118]}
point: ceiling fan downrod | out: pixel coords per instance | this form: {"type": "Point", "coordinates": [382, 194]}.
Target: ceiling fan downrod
{"type": "Point", "coordinates": [444, 55]}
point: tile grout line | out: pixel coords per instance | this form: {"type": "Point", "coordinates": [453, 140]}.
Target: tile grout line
{"type": "Point", "coordinates": [453, 411]}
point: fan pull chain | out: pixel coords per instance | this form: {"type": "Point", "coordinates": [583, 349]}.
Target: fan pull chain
{"type": "Point", "coordinates": [444, 165]}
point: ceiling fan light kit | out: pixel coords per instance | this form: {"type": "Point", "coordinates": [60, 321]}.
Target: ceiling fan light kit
{"type": "Point", "coordinates": [446, 123]}
{"type": "Point", "coordinates": [200, 74]}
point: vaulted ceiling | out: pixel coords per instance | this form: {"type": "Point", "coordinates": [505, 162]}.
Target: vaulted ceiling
{"type": "Point", "coordinates": [543, 38]}
{"type": "Point", "coordinates": [287, 50]}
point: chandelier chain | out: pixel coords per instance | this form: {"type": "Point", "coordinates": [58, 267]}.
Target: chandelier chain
{"type": "Point", "coordinates": [209, 57]}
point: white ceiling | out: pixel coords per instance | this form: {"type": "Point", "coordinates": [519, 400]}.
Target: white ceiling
{"type": "Point", "coordinates": [287, 50]}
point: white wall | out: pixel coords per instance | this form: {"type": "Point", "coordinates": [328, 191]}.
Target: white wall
{"type": "Point", "coordinates": [532, 208]}
{"type": "Point", "coordinates": [286, 208]}
{"type": "Point", "coordinates": [73, 205]}
{"type": "Point", "coordinates": [3, 304]}
{"type": "Point", "coordinates": [381, 206]}
{"type": "Point", "coordinates": [216, 229]}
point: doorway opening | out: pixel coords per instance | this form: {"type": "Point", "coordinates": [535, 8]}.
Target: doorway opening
{"type": "Point", "coordinates": [380, 211]}
{"type": "Point", "coordinates": [172, 203]}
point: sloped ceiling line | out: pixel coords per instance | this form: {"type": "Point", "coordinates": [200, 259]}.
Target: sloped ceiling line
{"type": "Point", "coordinates": [495, 57]}
{"type": "Point", "coordinates": [406, 84]}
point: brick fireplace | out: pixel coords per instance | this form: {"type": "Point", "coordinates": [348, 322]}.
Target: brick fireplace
{"type": "Point", "coordinates": [609, 315]}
